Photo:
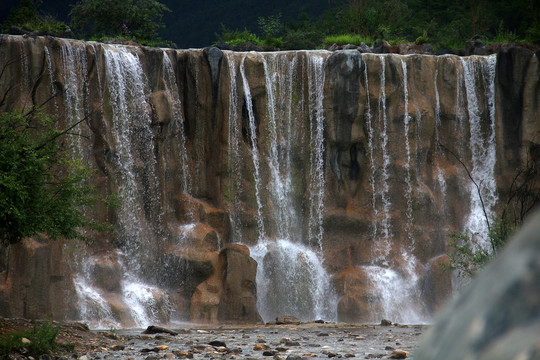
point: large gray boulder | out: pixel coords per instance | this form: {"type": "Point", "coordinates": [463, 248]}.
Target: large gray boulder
{"type": "Point", "coordinates": [498, 316]}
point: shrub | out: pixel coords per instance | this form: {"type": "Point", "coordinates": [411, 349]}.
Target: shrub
{"type": "Point", "coordinates": [237, 37]}
{"type": "Point", "coordinates": [42, 340]}
{"type": "Point", "coordinates": [422, 39]}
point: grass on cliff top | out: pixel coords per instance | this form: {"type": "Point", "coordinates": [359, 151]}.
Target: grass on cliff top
{"type": "Point", "coordinates": [345, 39]}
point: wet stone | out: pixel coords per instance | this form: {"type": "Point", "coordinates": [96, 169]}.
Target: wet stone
{"type": "Point", "coordinates": [217, 343]}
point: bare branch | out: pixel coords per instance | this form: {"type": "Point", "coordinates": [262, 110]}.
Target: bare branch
{"type": "Point", "coordinates": [473, 181]}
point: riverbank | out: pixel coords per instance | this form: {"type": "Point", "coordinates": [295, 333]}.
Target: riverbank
{"type": "Point", "coordinates": [310, 340]}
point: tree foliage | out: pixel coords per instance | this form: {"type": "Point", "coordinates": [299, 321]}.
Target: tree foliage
{"type": "Point", "coordinates": [111, 18]}
{"type": "Point", "coordinates": [444, 23]}
{"type": "Point", "coordinates": [27, 17]}
{"type": "Point", "coordinates": [42, 191]}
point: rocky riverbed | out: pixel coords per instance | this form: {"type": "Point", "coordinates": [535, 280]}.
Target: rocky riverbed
{"type": "Point", "coordinates": [293, 342]}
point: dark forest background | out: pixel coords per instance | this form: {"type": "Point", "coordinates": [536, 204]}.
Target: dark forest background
{"type": "Point", "coordinates": [306, 24]}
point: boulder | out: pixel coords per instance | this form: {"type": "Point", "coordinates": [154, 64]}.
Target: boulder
{"type": "Point", "coordinates": [106, 271]}
{"type": "Point", "coordinates": [497, 316]}
{"type": "Point", "coordinates": [239, 298]}
{"type": "Point", "coordinates": [287, 320]}
{"type": "Point", "coordinates": [381, 47]}
{"type": "Point", "coordinates": [437, 287]}
{"type": "Point", "coordinates": [230, 293]}
{"type": "Point", "coordinates": [152, 329]}
{"type": "Point", "coordinates": [355, 305]}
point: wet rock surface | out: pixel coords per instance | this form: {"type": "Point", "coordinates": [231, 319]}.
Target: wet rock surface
{"type": "Point", "coordinates": [304, 341]}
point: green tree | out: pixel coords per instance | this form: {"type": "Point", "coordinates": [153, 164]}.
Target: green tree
{"type": "Point", "coordinates": [139, 18]}
{"type": "Point", "coordinates": [42, 191]}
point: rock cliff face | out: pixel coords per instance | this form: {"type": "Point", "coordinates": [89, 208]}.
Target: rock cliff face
{"type": "Point", "coordinates": [335, 171]}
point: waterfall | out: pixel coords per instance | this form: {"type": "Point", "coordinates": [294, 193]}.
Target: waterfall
{"type": "Point", "coordinates": [395, 284]}
{"type": "Point", "coordinates": [255, 170]}
{"type": "Point", "coordinates": [438, 168]}
{"type": "Point", "coordinates": [75, 71]}
{"type": "Point", "coordinates": [177, 121]}
{"type": "Point", "coordinates": [51, 77]}
{"type": "Point", "coordinates": [278, 76]}
{"type": "Point", "coordinates": [291, 278]}
{"type": "Point", "coordinates": [316, 191]}
{"type": "Point", "coordinates": [482, 143]}
{"type": "Point", "coordinates": [234, 133]}
{"type": "Point", "coordinates": [254, 151]}
{"type": "Point", "coordinates": [372, 173]}
{"type": "Point", "coordinates": [408, 180]}
{"type": "Point", "coordinates": [383, 239]}
{"type": "Point", "coordinates": [135, 165]}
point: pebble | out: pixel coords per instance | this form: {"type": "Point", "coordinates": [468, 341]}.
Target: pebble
{"type": "Point", "coordinates": [260, 347]}
{"type": "Point", "coordinates": [398, 354]}
{"type": "Point", "coordinates": [292, 343]}
{"type": "Point", "coordinates": [295, 357]}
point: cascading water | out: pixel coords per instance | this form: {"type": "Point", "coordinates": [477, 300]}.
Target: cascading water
{"type": "Point", "coordinates": [406, 123]}
{"type": "Point", "coordinates": [254, 151]}
{"type": "Point", "coordinates": [177, 121]}
{"type": "Point", "coordinates": [382, 200]}
{"type": "Point", "coordinates": [234, 131]}
{"type": "Point", "coordinates": [482, 144]}
{"type": "Point", "coordinates": [51, 77]}
{"type": "Point", "coordinates": [395, 286]}
{"type": "Point", "coordinates": [438, 168]}
{"type": "Point", "coordinates": [316, 96]}
{"type": "Point", "coordinates": [284, 251]}
{"type": "Point", "coordinates": [278, 75]}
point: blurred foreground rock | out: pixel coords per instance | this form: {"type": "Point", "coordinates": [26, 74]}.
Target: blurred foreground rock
{"type": "Point", "coordinates": [498, 316]}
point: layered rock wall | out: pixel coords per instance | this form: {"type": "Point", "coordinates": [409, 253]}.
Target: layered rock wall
{"type": "Point", "coordinates": [346, 159]}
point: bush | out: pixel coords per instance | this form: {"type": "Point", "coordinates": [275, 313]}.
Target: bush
{"type": "Point", "coordinates": [42, 340]}
{"type": "Point", "coordinates": [237, 37]}
{"type": "Point", "coordinates": [467, 258]}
